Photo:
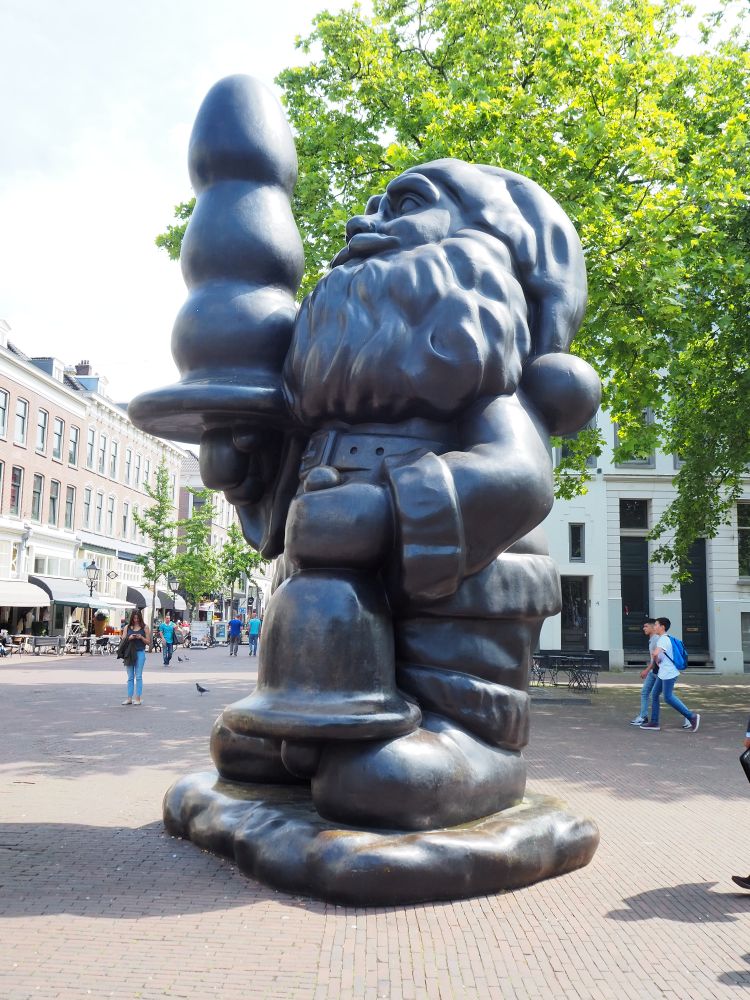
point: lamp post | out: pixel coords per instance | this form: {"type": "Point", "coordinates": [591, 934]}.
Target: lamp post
{"type": "Point", "coordinates": [174, 585]}
{"type": "Point", "coordinates": [92, 574]}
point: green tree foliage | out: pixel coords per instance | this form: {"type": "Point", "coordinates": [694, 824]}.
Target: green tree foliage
{"type": "Point", "coordinates": [237, 558]}
{"type": "Point", "coordinates": [196, 564]}
{"type": "Point", "coordinates": [158, 525]}
{"type": "Point", "coordinates": [171, 240]}
{"type": "Point", "coordinates": [644, 144]}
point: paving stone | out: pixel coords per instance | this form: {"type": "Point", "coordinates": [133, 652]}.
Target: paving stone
{"type": "Point", "coordinates": [96, 900]}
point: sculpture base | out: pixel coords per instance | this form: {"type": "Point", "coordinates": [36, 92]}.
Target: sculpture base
{"type": "Point", "coordinates": [274, 835]}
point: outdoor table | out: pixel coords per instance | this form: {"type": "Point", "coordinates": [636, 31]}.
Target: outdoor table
{"type": "Point", "coordinates": [582, 671]}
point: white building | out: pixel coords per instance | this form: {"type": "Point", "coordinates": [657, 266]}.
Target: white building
{"type": "Point", "coordinates": [609, 585]}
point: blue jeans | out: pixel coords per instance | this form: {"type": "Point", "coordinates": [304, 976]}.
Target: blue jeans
{"type": "Point", "coordinates": [167, 650]}
{"type": "Point", "coordinates": [646, 690]}
{"type": "Point", "coordinates": [253, 641]}
{"type": "Point", "coordinates": [671, 699]}
{"type": "Point", "coordinates": [135, 674]}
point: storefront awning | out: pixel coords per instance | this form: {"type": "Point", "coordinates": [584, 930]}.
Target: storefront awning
{"type": "Point", "coordinates": [21, 594]}
{"type": "Point", "coordinates": [141, 597]}
{"type": "Point", "coordinates": [64, 590]}
{"type": "Point", "coordinates": [112, 603]}
{"type": "Point", "coordinates": [169, 603]}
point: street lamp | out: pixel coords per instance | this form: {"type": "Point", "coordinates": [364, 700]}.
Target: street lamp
{"type": "Point", "coordinates": [174, 585]}
{"type": "Point", "coordinates": [92, 574]}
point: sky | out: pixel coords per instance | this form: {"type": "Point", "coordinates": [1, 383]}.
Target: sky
{"type": "Point", "coordinates": [97, 100]}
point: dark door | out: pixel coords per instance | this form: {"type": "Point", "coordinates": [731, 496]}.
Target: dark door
{"type": "Point", "coordinates": [634, 589]}
{"type": "Point", "coordinates": [694, 601]}
{"type": "Point", "coordinates": [575, 614]}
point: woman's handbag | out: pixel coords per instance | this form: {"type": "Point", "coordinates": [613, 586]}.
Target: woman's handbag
{"type": "Point", "coordinates": [745, 761]}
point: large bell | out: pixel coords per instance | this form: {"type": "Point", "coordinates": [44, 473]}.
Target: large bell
{"type": "Point", "coordinates": [326, 668]}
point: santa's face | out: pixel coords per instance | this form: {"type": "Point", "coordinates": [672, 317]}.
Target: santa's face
{"type": "Point", "coordinates": [412, 213]}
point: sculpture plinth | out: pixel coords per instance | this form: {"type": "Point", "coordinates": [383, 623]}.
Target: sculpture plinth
{"type": "Point", "coordinates": [307, 855]}
{"type": "Point", "coordinates": [390, 444]}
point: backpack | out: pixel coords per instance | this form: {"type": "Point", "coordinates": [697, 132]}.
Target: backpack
{"type": "Point", "coordinates": [680, 658]}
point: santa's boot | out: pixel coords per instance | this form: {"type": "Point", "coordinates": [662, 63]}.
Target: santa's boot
{"type": "Point", "coordinates": [465, 760]}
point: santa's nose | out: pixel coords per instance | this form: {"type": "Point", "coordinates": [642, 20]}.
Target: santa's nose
{"type": "Point", "coordinates": [359, 224]}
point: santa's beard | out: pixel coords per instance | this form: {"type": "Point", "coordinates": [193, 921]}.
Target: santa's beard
{"type": "Point", "coordinates": [419, 333]}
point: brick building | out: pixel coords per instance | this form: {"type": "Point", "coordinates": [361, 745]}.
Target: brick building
{"type": "Point", "coordinates": [249, 595]}
{"type": "Point", "coordinates": [72, 473]}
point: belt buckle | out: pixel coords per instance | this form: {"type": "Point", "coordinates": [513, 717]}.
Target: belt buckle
{"type": "Point", "coordinates": [317, 451]}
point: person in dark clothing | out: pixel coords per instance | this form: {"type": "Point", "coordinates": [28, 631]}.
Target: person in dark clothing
{"type": "Point", "coordinates": [137, 637]}
{"type": "Point", "coordinates": [744, 881]}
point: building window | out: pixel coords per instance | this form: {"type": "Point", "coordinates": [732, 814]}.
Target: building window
{"type": "Point", "coordinates": [640, 461]}
{"type": "Point", "coordinates": [634, 514]}
{"type": "Point", "coordinates": [134, 526]}
{"type": "Point", "coordinates": [2, 483]}
{"type": "Point", "coordinates": [576, 538]}
{"type": "Point", "coordinates": [137, 470]}
{"type": "Point", "coordinates": [114, 458]}
{"type": "Point", "coordinates": [37, 489]}
{"type": "Point", "coordinates": [147, 472]}
{"type": "Point", "coordinates": [3, 413]}
{"type": "Point", "coordinates": [58, 436]}
{"type": "Point", "coordinates": [102, 453]}
{"type": "Point", "coordinates": [564, 450]}
{"type": "Point", "coordinates": [70, 507]}
{"type": "Point", "coordinates": [172, 485]}
{"type": "Point", "coordinates": [16, 490]}
{"type": "Point", "coordinates": [87, 507]}
{"type": "Point", "coordinates": [125, 518]}
{"type": "Point", "coordinates": [90, 447]}
{"type": "Point", "coordinates": [22, 421]}
{"type": "Point", "coordinates": [99, 511]}
{"type": "Point", "coordinates": [128, 464]}
{"type": "Point", "coordinates": [75, 436]}
{"type": "Point", "coordinates": [42, 423]}
{"type": "Point", "coordinates": [110, 516]}
{"type": "Point", "coordinates": [743, 538]}
{"type": "Point", "coordinates": [54, 501]}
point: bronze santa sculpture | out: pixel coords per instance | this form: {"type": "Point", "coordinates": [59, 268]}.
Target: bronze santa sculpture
{"type": "Point", "coordinates": [388, 444]}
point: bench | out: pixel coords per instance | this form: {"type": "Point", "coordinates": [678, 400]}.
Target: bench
{"type": "Point", "coordinates": [51, 643]}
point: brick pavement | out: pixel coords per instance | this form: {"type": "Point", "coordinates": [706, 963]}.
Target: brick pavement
{"type": "Point", "coordinates": [96, 901]}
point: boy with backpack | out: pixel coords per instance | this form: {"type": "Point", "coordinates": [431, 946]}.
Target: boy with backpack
{"type": "Point", "coordinates": [672, 658]}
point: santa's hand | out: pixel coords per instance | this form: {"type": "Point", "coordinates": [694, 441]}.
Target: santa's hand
{"type": "Point", "coordinates": [338, 524]}
{"type": "Point", "coordinates": [235, 462]}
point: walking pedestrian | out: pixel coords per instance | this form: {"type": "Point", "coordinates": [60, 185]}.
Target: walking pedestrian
{"type": "Point", "coordinates": [167, 630]}
{"type": "Point", "coordinates": [137, 637]}
{"type": "Point", "coordinates": [649, 675]}
{"type": "Point", "coordinates": [744, 883]}
{"type": "Point", "coordinates": [253, 632]}
{"type": "Point", "coordinates": [235, 634]}
{"type": "Point", "coordinates": [668, 674]}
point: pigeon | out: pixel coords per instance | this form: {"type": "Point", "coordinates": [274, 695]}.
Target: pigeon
{"type": "Point", "coordinates": [179, 659]}
{"type": "Point", "coordinates": [201, 690]}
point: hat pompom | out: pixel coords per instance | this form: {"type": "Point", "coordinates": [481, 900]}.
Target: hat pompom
{"type": "Point", "coordinates": [564, 390]}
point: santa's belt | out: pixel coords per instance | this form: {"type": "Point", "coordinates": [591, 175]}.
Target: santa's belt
{"type": "Point", "coordinates": [348, 451]}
